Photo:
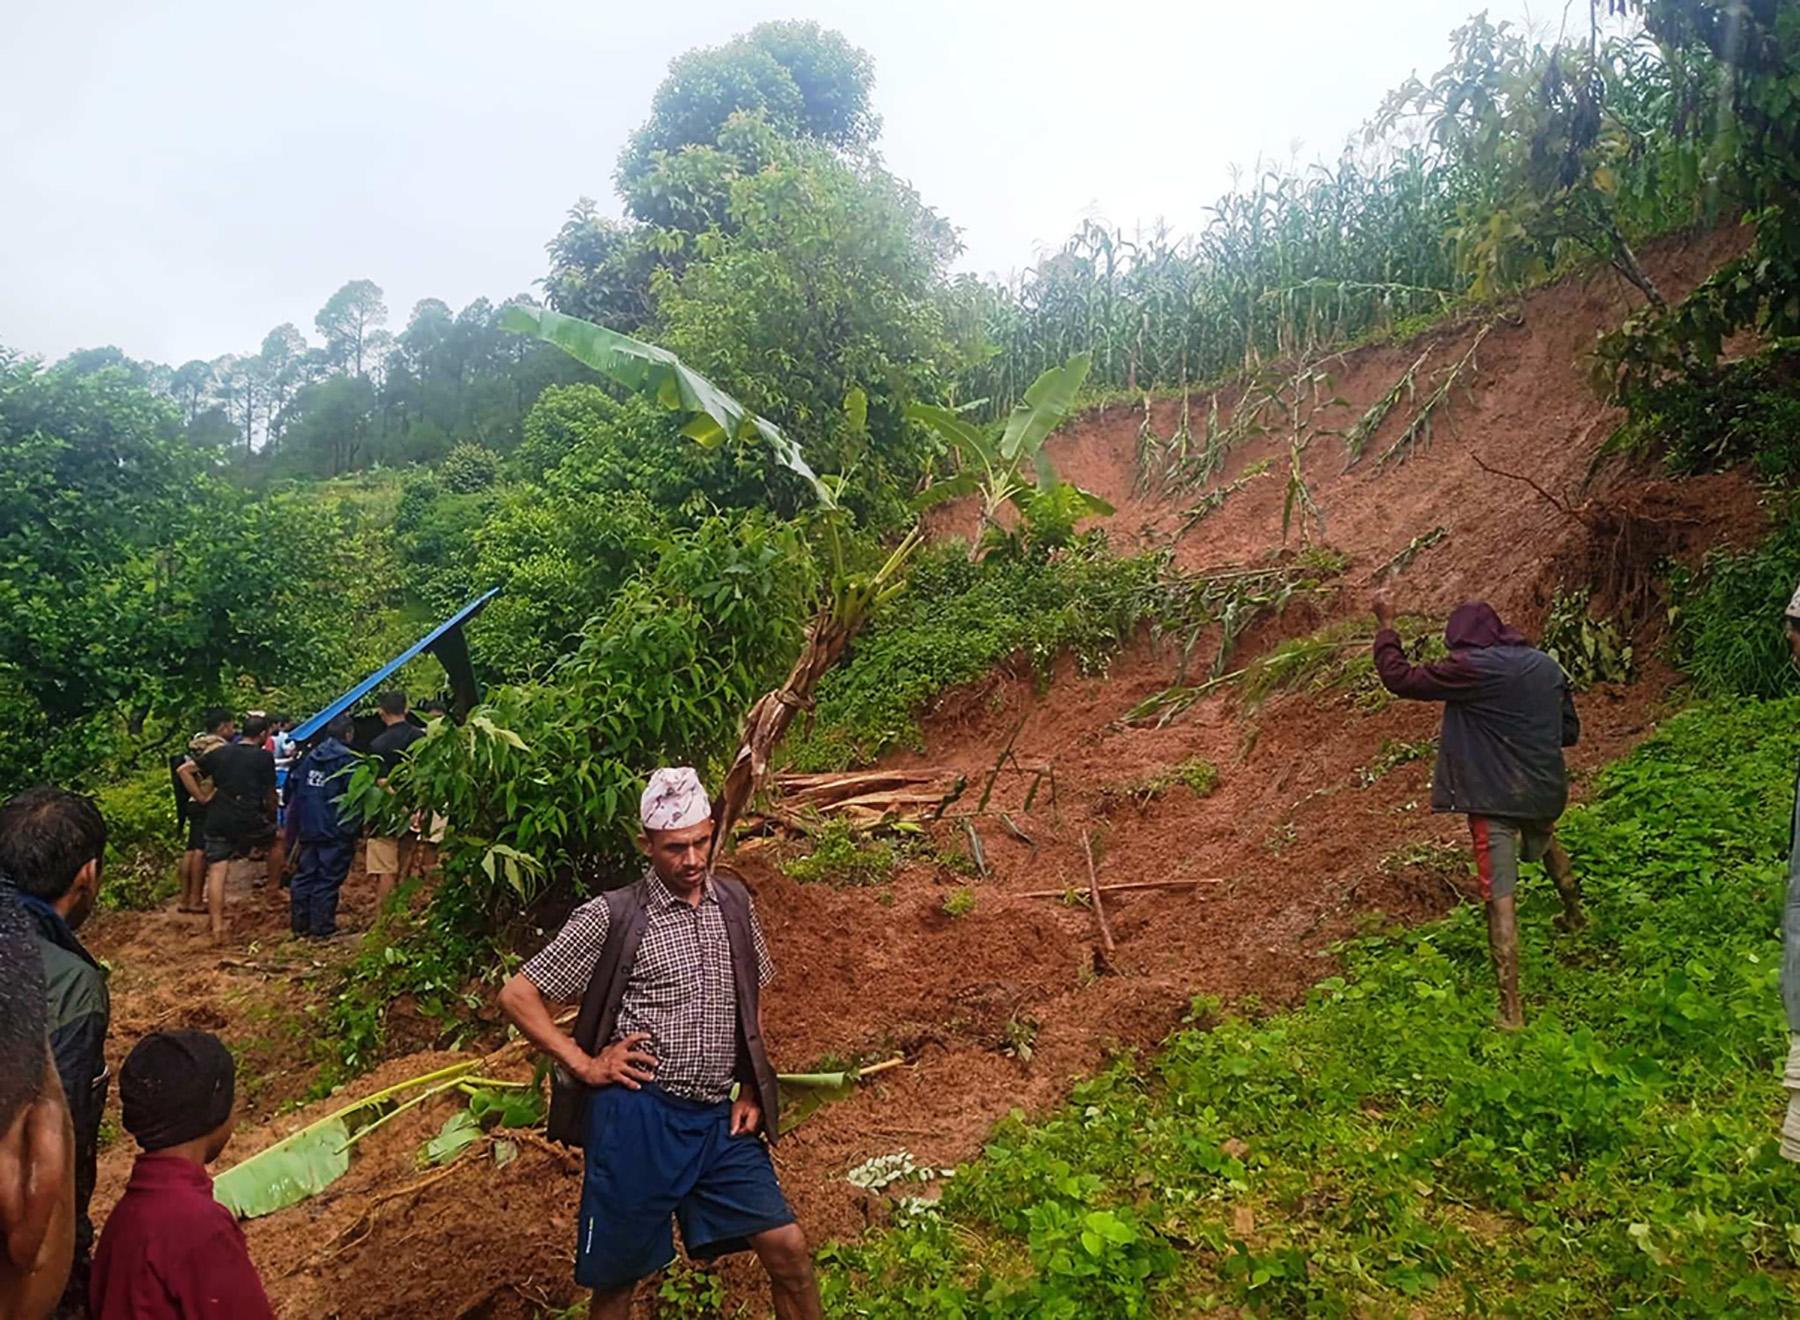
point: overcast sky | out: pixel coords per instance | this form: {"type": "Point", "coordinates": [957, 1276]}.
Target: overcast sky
{"type": "Point", "coordinates": [182, 175]}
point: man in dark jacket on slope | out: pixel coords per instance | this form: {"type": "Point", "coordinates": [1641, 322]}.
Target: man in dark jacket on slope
{"type": "Point", "coordinates": [51, 845]}
{"type": "Point", "coordinates": [1507, 716]}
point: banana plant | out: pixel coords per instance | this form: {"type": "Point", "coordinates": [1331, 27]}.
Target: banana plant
{"type": "Point", "coordinates": [713, 417]}
{"type": "Point", "coordinates": [1013, 467]}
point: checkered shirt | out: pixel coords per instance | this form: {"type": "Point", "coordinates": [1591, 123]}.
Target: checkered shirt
{"type": "Point", "coordinates": [680, 991]}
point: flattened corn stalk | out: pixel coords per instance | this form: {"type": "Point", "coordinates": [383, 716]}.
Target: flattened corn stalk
{"type": "Point", "coordinates": [1357, 441]}
{"type": "Point", "coordinates": [1418, 432]}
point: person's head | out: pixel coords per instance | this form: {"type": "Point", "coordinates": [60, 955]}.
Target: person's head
{"type": "Point", "coordinates": [255, 726]}
{"type": "Point", "coordinates": [280, 723]}
{"type": "Point", "coordinates": [37, 1144]}
{"type": "Point", "coordinates": [219, 722]}
{"type": "Point", "coordinates": [342, 727]}
{"type": "Point", "coordinates": [52, 843]}
{"type": "Point", "coordinates": [1477, 624]}
{"type": "Point", "coordinates": [177, 1093]}
{"type": "Point", "coordinates": [435, 709]}
{"type": "Point", "coordinates": [392, 706]}
{"type": "Point", "coordinates": [677, 820]}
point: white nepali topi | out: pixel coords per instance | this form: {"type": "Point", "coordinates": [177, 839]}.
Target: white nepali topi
{"type": "Point", "coordinates": [1793, 609]}
{"type": "Point", "coordinates": [674, 799]}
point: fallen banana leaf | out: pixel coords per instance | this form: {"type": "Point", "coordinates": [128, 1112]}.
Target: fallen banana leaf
{"type": "Point", "coordinates": [310, 1160]}
{"type": "Point", "coordinates": [460, 1131]}
{"type": "Point", "coordinates": [817, 1089]}
{"type": "Point", "coordinates": [287, 1172]}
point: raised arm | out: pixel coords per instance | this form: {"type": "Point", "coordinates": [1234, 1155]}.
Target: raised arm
{"type": "Point", "coordinates": [1441, 680]}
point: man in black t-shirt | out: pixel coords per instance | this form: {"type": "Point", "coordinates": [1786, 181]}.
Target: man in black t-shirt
{"type": "Point", "coordinates": [387, 857]}
{"type": "Point", "coordinates": [240, 820]}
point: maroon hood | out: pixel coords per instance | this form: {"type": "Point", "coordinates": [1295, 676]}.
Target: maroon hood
{"type": "Point", "coordinates": [1476, 625]}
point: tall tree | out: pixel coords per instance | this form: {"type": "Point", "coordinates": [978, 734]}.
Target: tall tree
{"type": "Point", "coordinates": [283, 353]}
{"type": "Point", "coordinates": [346, 320]}
{"type": "Point", "coordinates": [803, 80]}
{"type": "Point", "coordinates": [191, 386]}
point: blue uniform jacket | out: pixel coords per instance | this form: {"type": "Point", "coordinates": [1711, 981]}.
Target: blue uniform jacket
{"type": "Point", "coordinates": [316, 794]}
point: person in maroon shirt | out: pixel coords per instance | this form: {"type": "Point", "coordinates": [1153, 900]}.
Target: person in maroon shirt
{"type": "Point", "coordinates": [169, 1250]}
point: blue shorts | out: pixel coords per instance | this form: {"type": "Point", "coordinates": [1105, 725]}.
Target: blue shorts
{"type": "Point", "coordinates": [651, 1155]}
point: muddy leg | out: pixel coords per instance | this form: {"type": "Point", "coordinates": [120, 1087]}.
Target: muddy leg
{"type": "Point", "coordinates": [1556, 862]}
{"type": "Point", "coordinates": [215, 898]}
{"type": "Point", "coordinates": [613, 1305]}
{"type": "Point", "coordinates": [792, 1287]}
{"type": "Point", "coordinates": [1503, 942]}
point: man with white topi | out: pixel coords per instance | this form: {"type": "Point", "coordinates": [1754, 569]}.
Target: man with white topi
{"type": "Point", "coordinates": [665, 1081]}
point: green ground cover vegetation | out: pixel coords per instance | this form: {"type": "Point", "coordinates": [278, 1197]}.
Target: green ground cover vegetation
{"type": "Point", "coordinates": [1383, 1147]}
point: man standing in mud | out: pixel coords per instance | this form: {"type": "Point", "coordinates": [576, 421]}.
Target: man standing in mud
{"type": "Point", "coordinates": [669, 972]}
{"type": "Point", "coordinates": [52, 843]}
{"type": "Point", "coordinates": [1507, 716]}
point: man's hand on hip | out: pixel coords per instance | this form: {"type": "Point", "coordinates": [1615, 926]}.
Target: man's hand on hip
{"type": "Point", "coordinates": [746, 1115]}
{"type": "Point", "coordinates": [626, 1062]}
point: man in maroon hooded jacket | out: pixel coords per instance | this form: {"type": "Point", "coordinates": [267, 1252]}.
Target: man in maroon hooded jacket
{"type": "Point", "coordinates": [1507, 716]}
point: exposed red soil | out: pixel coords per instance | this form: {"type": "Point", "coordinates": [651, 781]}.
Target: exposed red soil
{"type": "Point", "coordinates": [1304, 852]}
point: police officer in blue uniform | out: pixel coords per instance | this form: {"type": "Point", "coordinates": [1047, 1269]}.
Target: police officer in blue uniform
{"type": "Point", "coordinates": [327, 832]}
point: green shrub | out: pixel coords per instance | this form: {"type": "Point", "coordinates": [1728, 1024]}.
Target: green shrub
{"type": "Point", "coordinates": [468, 468]}
{"type": "Point", "coordinates": [960, 903]}
{"type": "Point", "coordinates": [1589, 650]}
{"type": "Point", "coordinates": [956, 621]}
{"type": "Point", "coordinates": [1749, 414]}
{"type": "Point", "coordinates": [1727, 632]}
{"type": "Point", "coordinates": [143, 844]}
{"type": "Point", "coordinates": [840, 857]}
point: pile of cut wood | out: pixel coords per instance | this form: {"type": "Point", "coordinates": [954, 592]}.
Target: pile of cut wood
{"type": "Point", "coordinates": [798, 803]}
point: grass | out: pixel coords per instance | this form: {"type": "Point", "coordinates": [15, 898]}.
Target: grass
{"type": "Point", "coordinates": [1196, 774]}
{"type": "Point", "coordinates": [1382, 1150]}
{"type": "Point", "coordinates": [840, 856]}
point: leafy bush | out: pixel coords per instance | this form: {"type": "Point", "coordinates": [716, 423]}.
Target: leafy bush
{"type": "Point", "coordinates": [956, 621]}
{"type": "Point", "coordinates": [839, 857]}
{"type": "Point", "coordinates": [1727, 617]}
{"type": "Point", "coordinates": [1749, 414]}
{"type": "Point", "coordinates": [143, 843]}
{"type": "Point", "coordinates": [1589, 650]}
{"type": "Point", "coordinates": [468, 468]}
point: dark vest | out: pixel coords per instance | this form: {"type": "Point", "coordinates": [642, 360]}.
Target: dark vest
{"type": "Point", "coordinates": [605, 995]}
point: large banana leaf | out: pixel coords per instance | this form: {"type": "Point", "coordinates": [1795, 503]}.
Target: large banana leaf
{"type": "Point", "coordinates": [961, 434]}
{"type": "Point", "coordinates": [287, 1172]}
{"type": "Point", "coordinates": [316, 1156]}
{"type": "Point", "coordinates": [1042, 409]}
{"type": "Point", "coordinates": [656, 373]}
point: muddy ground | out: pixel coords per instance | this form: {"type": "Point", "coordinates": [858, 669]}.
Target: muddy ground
{"type": "Point", "coordinates": [1296, 849]}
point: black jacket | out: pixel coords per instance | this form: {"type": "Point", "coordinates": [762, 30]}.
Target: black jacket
{"type": "Point", "coordinates": [1508, 714]}
{"type": "Point", "coordinates": [80, 1011]}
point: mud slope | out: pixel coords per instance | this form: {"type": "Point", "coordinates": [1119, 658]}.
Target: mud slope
{"type": "Point", "coordinates": [1302, 851]}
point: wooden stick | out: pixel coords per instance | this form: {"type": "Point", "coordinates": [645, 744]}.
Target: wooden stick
{"type": "Point", "coordinates": [1119, 888]}
{"type": "Point", "coordinates": [1106, 936]}
{"type": "Point", "coordinates": [881, 1067]}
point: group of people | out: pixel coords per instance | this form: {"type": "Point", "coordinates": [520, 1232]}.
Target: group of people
{"type": "Point", "coordinates": [169, 1251]}
{"type": "Point", "coordinates": [253, 806]}
{"type": "Point", "coordinates": [665, 1081]}
{"type": "Point", "coordinates": [257, 808]}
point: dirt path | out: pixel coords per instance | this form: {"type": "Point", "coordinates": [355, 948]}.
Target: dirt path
{"type": "Point", "coordinates": [1305, 850]}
